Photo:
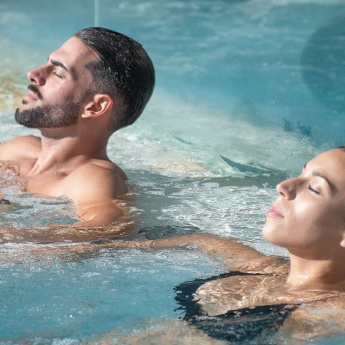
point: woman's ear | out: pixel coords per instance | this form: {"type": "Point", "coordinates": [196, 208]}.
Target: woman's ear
{"type": "Point", "coordinates": [98, 106]}
{"type": "Point", "coordinates": [342, 242]}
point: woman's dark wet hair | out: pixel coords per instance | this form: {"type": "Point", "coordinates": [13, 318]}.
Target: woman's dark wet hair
{"type": "Point", "coordinates": [124, 71]}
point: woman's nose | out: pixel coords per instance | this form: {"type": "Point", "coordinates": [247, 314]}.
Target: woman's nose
{"type": "Point", "coordinates": [287, 188]}
{"type": "Point", "coordinates": [37, 76]}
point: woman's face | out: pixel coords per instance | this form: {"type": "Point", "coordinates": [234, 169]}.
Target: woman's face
{"type": "Point", "coordinates": [308, 217]}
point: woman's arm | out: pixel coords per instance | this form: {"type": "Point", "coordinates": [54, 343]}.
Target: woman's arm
{"type": "Point", "coordinates": [209, 244]}
{"type": "Point", "coordinates": [223, 248]}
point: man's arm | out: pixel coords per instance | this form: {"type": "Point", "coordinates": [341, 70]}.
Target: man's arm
{"type": "Point", "coordinates": [95, 192]}
{"type": "Point", "coordinates": [105, 212]}
{"type": "Point", "coordinates": [62, 233]}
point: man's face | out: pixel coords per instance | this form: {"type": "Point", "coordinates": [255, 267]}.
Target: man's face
{"type": "Point", "coordinates": [58, 89]}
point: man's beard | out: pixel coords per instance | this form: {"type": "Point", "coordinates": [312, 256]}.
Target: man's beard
{"type": "Point", "coordinates": [49, 116]}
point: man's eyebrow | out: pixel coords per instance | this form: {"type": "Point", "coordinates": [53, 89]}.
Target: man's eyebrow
{"type": "Point", "coordinates": [60, 64]}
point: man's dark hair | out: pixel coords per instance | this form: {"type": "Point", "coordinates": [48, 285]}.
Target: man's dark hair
{"type": "Point", "coordinates": [124, 71]}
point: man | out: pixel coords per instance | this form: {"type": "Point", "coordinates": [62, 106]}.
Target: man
{"type": "Point", "coordinates": [97, 82]}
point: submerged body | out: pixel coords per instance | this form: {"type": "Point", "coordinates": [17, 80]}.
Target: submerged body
{"type": "Point", "coordinates": [255, 281]}
{"type": "Point", "coordinates": [105, 181]}
{"type": "Point", "coordinates": [308, 219]}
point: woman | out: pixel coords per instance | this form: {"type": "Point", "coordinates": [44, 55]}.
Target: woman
{"type": "Point", "coordinates": [308, 219]}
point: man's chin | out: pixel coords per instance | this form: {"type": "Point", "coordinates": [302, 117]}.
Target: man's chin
{"type": "Point", "coordinates": [51, 116]}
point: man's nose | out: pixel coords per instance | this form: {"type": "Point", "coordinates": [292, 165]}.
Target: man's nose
{"type": "Point", "coordinates": [287, 188]}
{"type": "Point", "coordinates": [38, 75]}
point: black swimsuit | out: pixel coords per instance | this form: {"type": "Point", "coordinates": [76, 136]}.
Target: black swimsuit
{"type": "Point", "coordinates": [238, 327]}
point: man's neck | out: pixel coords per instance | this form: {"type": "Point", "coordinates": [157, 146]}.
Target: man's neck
{"type": "Point", "coordinates": [66, 153]}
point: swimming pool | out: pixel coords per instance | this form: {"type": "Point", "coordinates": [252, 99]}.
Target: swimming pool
{"type": "Point", "coordinates": [246, 92]}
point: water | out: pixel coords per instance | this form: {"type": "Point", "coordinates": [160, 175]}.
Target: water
{"type": "Point", "coordinates": [78, 300]}
{"type": "Point", "coordinates": [246, 93]}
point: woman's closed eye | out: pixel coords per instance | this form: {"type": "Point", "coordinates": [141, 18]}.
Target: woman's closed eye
{"type": "Point", "coordinates": [313, 189]}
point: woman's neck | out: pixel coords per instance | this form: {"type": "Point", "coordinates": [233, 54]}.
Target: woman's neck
{"type": "Point", "coordinates": [311, 274]}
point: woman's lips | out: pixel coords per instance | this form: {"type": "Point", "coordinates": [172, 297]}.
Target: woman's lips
{"type": "Point", "coordinates": [274, 212]}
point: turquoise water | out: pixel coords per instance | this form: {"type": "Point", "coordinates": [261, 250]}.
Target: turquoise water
{"type": "Point", "coordinates": [45, 302]}
{"type": "Point", "coordinates": [246, 93]}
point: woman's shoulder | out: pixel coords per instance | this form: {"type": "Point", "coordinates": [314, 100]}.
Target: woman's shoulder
{"type": "Point", "coordinates": [317, 319]}
{"type": "Point", "coordinates": [251, 290]}
{"type": "Point", "coordinates": [274, 265]}
{"type": "Point", "coordinates": [263, 302]}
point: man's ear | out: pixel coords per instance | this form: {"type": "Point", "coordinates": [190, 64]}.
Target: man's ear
{"type": "Point", "coordinates": [98, 106]}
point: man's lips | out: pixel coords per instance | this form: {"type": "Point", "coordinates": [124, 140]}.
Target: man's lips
{"type": "Point", "coordinates": [274, 212]}
{"type": "Point", "coordinates": [33, 94]}
{"type": "Point", "coordinates": [30, 96]}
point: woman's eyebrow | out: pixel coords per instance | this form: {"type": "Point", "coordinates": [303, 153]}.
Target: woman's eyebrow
{"type": "Point", "coordinates": [319, 174]}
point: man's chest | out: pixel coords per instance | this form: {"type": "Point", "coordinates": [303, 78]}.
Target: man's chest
{"type": "Point", "coordinates": [48, 184]}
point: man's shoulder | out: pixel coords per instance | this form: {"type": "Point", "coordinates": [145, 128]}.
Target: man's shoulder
{"type": "Point", "coordinates": [94, 188]}
{"type": "Point", "coordinates": [24, 140]}
{"type": "Point", "coordinates": [101, 166]}
{"type": "Point", "coordinates": [23, 147]}
{"type": "Point", "coordinates": [100, 175]}
{"type": "Point", "coordinates": [107, 165]}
